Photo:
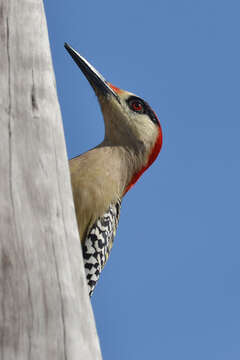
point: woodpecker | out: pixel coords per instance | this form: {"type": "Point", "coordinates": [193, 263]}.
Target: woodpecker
{"type": "Point", "coordinates": [103, 175]}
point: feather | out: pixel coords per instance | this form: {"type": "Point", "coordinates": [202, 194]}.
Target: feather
{"type": "Point", "coordinates": [98, 244]}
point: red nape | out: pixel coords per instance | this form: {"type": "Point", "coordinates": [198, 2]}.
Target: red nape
{"type": "Point", "coordinates": [116, 89]}
{"type": "Point", "coordinates": [155, 151]}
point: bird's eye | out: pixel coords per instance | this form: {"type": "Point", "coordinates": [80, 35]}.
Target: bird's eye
{"type": "Point", "coordinates": [137, 106]}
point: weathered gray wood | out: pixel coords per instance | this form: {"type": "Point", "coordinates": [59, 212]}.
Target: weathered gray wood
{"type": "Point", "coordinates": [45, 312]}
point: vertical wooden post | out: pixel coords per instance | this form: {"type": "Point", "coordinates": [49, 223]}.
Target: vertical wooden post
{"type": "Point", "coordinates": [45, 312]}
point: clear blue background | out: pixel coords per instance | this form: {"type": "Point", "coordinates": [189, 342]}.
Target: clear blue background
{"type": "Point", "coordinates": [171, 288]}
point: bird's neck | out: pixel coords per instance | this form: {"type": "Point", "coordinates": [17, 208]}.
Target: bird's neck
{"type": "Point", "coordinates": [122, 162]}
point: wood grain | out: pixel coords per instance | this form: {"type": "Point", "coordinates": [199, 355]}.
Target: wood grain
{"type": "Point", "coordinates": [45, 312]}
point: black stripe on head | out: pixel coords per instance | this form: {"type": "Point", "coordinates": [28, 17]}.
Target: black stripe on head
{"type": "Point", "coordinates": [140, 106]}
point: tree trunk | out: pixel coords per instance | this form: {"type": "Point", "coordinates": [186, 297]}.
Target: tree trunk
{"type": "Point", "coordinates": [45, 312]}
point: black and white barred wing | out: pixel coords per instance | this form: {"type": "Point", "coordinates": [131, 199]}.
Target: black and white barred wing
{"type": "Point", "coordinates": [98, 244]}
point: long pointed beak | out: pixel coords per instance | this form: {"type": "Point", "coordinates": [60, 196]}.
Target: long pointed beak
{"type": "Point", "coordinates": [96, 80]}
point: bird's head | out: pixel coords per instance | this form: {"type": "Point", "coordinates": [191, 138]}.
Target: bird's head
{"type": "Point", "coordinates": [129, 120]}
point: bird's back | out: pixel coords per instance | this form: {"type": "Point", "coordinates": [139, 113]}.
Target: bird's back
{"type": "Point", "coordinates": [98, 244]}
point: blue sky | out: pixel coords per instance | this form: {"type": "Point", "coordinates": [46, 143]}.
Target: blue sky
{"type": "Point", "coordinates": [171, 288]}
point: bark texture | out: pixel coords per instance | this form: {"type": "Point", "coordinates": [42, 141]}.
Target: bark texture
{"type": "Point", "coordinates": [45, 312]}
